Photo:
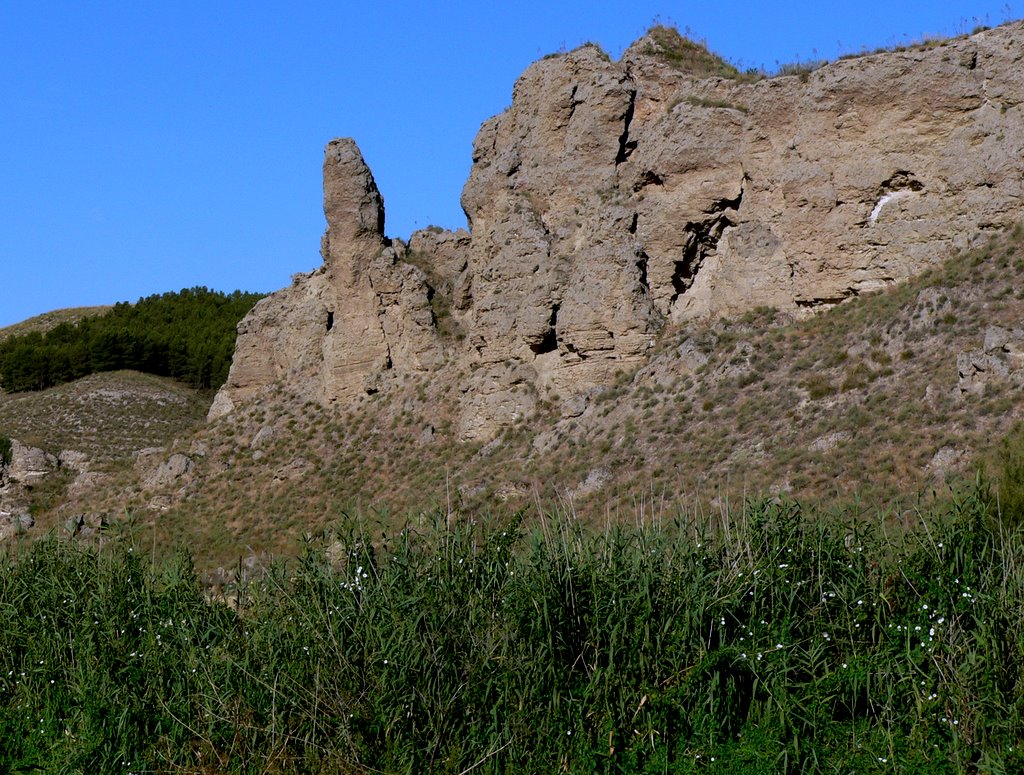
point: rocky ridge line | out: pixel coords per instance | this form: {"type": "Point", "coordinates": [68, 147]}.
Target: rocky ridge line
{"type": "Point", "coordinates": [615, 198]}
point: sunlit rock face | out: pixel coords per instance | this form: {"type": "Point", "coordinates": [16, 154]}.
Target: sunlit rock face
{"type": "Point", "coordinates": [614, 198]}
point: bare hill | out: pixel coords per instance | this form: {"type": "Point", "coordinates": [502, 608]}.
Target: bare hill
{"type": "Point", "coordinates": [50, 320]}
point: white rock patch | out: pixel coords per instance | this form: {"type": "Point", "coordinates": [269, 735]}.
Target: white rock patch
{"type": "Point", "coordinates": [886, 198]}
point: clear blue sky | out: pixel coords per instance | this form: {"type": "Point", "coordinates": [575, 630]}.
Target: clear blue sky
{"type": "Point", "coordinates": [151, 146]}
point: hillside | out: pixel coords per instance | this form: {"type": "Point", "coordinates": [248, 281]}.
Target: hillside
{"type": "Point", "coordinates": [91, 432]}
{"type": "Point", "coordinates": [681, 286]}
{"type": "Point", "coordinates": [188, 335]}
{"type": "Point", "coordinates": [50, 320]}
{"type": "Point", "coordinates": [886, 398]}
{"type": "Point", "coordinates": [702, 450]}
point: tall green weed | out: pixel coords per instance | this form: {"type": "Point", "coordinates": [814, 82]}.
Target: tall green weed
{"type": "Point", "coordinates": [764, 639]}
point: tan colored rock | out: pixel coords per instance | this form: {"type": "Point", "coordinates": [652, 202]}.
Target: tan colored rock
{"type": "Point", "coordinates": [332, 333]}
{"type": "Point", "coordinates": [30, 465]}
{"type": "Point", "coordinates": [612, 198]}
{"type": "Point", "coordinates": [172, 471]}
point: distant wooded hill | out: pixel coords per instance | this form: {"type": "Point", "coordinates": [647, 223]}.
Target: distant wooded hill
{"type": "Point", "coordinates": [188, 335]}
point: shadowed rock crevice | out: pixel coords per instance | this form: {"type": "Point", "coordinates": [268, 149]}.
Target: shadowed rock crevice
{"type": "Point", "coordinates": [641, 265]}
{"type": "Point", "coordinates": [627, 146]}
{"type": "Point", "coordinates": [548, 343]}
{"type": "Point", "coordinates": [573, 103]}
{"type": "Point", "coordinates": [649, 178]}
{"type": "Point", "coordinates": [901, 180]}
{"type": "Point", "coordinates": [702, 241]}
{"type": "Point", "coordinates": [824, 302]}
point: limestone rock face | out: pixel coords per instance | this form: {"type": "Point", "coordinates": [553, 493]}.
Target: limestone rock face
{"type": "Point", "coordinates": [1001, 357]}
{"type": "Point", "coordinates": [333, 333]}
{"type": "Point", "coordinates": [613, 198]}
{"type": "Point", "coordinates": [30, 465]}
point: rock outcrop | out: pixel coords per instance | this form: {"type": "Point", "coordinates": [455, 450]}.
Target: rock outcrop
{"type": "Point", "coordinates": [25, 468]}
{"type": "Point", "coordinates": [613, 198]}
{"type": "Point", "coordinates": [338, 332]}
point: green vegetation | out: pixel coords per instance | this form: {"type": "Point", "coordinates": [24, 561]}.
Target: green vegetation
{"type": "Point", "coordinates": [189, 335]}
{"type": "Point", "coordinates": [689, 56]}
{"type": "Point", "coordinates": [768, 639]}
{"type": "Point", "coordinates": [5, 450]}
{"type": "Point", "coordinates": [1009, 489]}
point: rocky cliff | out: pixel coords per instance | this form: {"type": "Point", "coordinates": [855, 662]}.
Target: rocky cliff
{"type": "Point", "coordinates": [613, 199]}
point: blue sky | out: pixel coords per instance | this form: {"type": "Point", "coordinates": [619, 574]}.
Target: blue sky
{"type": "Point", "coordinates": [152, 146]}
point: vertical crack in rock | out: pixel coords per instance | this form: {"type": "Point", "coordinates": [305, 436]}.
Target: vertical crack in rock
{"type": "Point", "coordinates": [641, 264]}
{"type": "Point", "coordinates": [381, 313]}
{"type": "Point", "coordinates": [549, 342]}
{"type": "Point", "coordinates": [573, 102]}
{"type": "Point", "coordinates": [627, 146]}
{"type": "Point", "coordinates": [701, 242]}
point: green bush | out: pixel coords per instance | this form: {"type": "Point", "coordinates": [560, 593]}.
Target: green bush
{"type": "Point", "coordinates": [5, 450]}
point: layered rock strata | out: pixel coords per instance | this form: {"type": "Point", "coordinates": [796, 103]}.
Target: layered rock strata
{"type": "Point", "coordinates": [613, 198]}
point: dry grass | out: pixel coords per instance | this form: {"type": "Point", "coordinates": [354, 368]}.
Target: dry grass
{"type": "Point", "coordinates": [755, 418]}
{"type": "Point", "coordinates": [751, 421]}
{"type": "Point", "coordinates": [49, 320]}
{"type": "Point", "coordinates": [688, 56]}
{"type": "Point", "coordinates": [107, 416]}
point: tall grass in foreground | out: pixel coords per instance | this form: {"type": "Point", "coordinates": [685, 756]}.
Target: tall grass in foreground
{"type": "Point", "coordinates": [774, 640]}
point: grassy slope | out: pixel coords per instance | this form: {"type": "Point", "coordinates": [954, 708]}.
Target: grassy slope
{"type": "Point", "coordinates": [48, 320]}
{"type": "Point", "coordinates": [108, 417]}
{"type": "Point", "coordinates": [857, 400]}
